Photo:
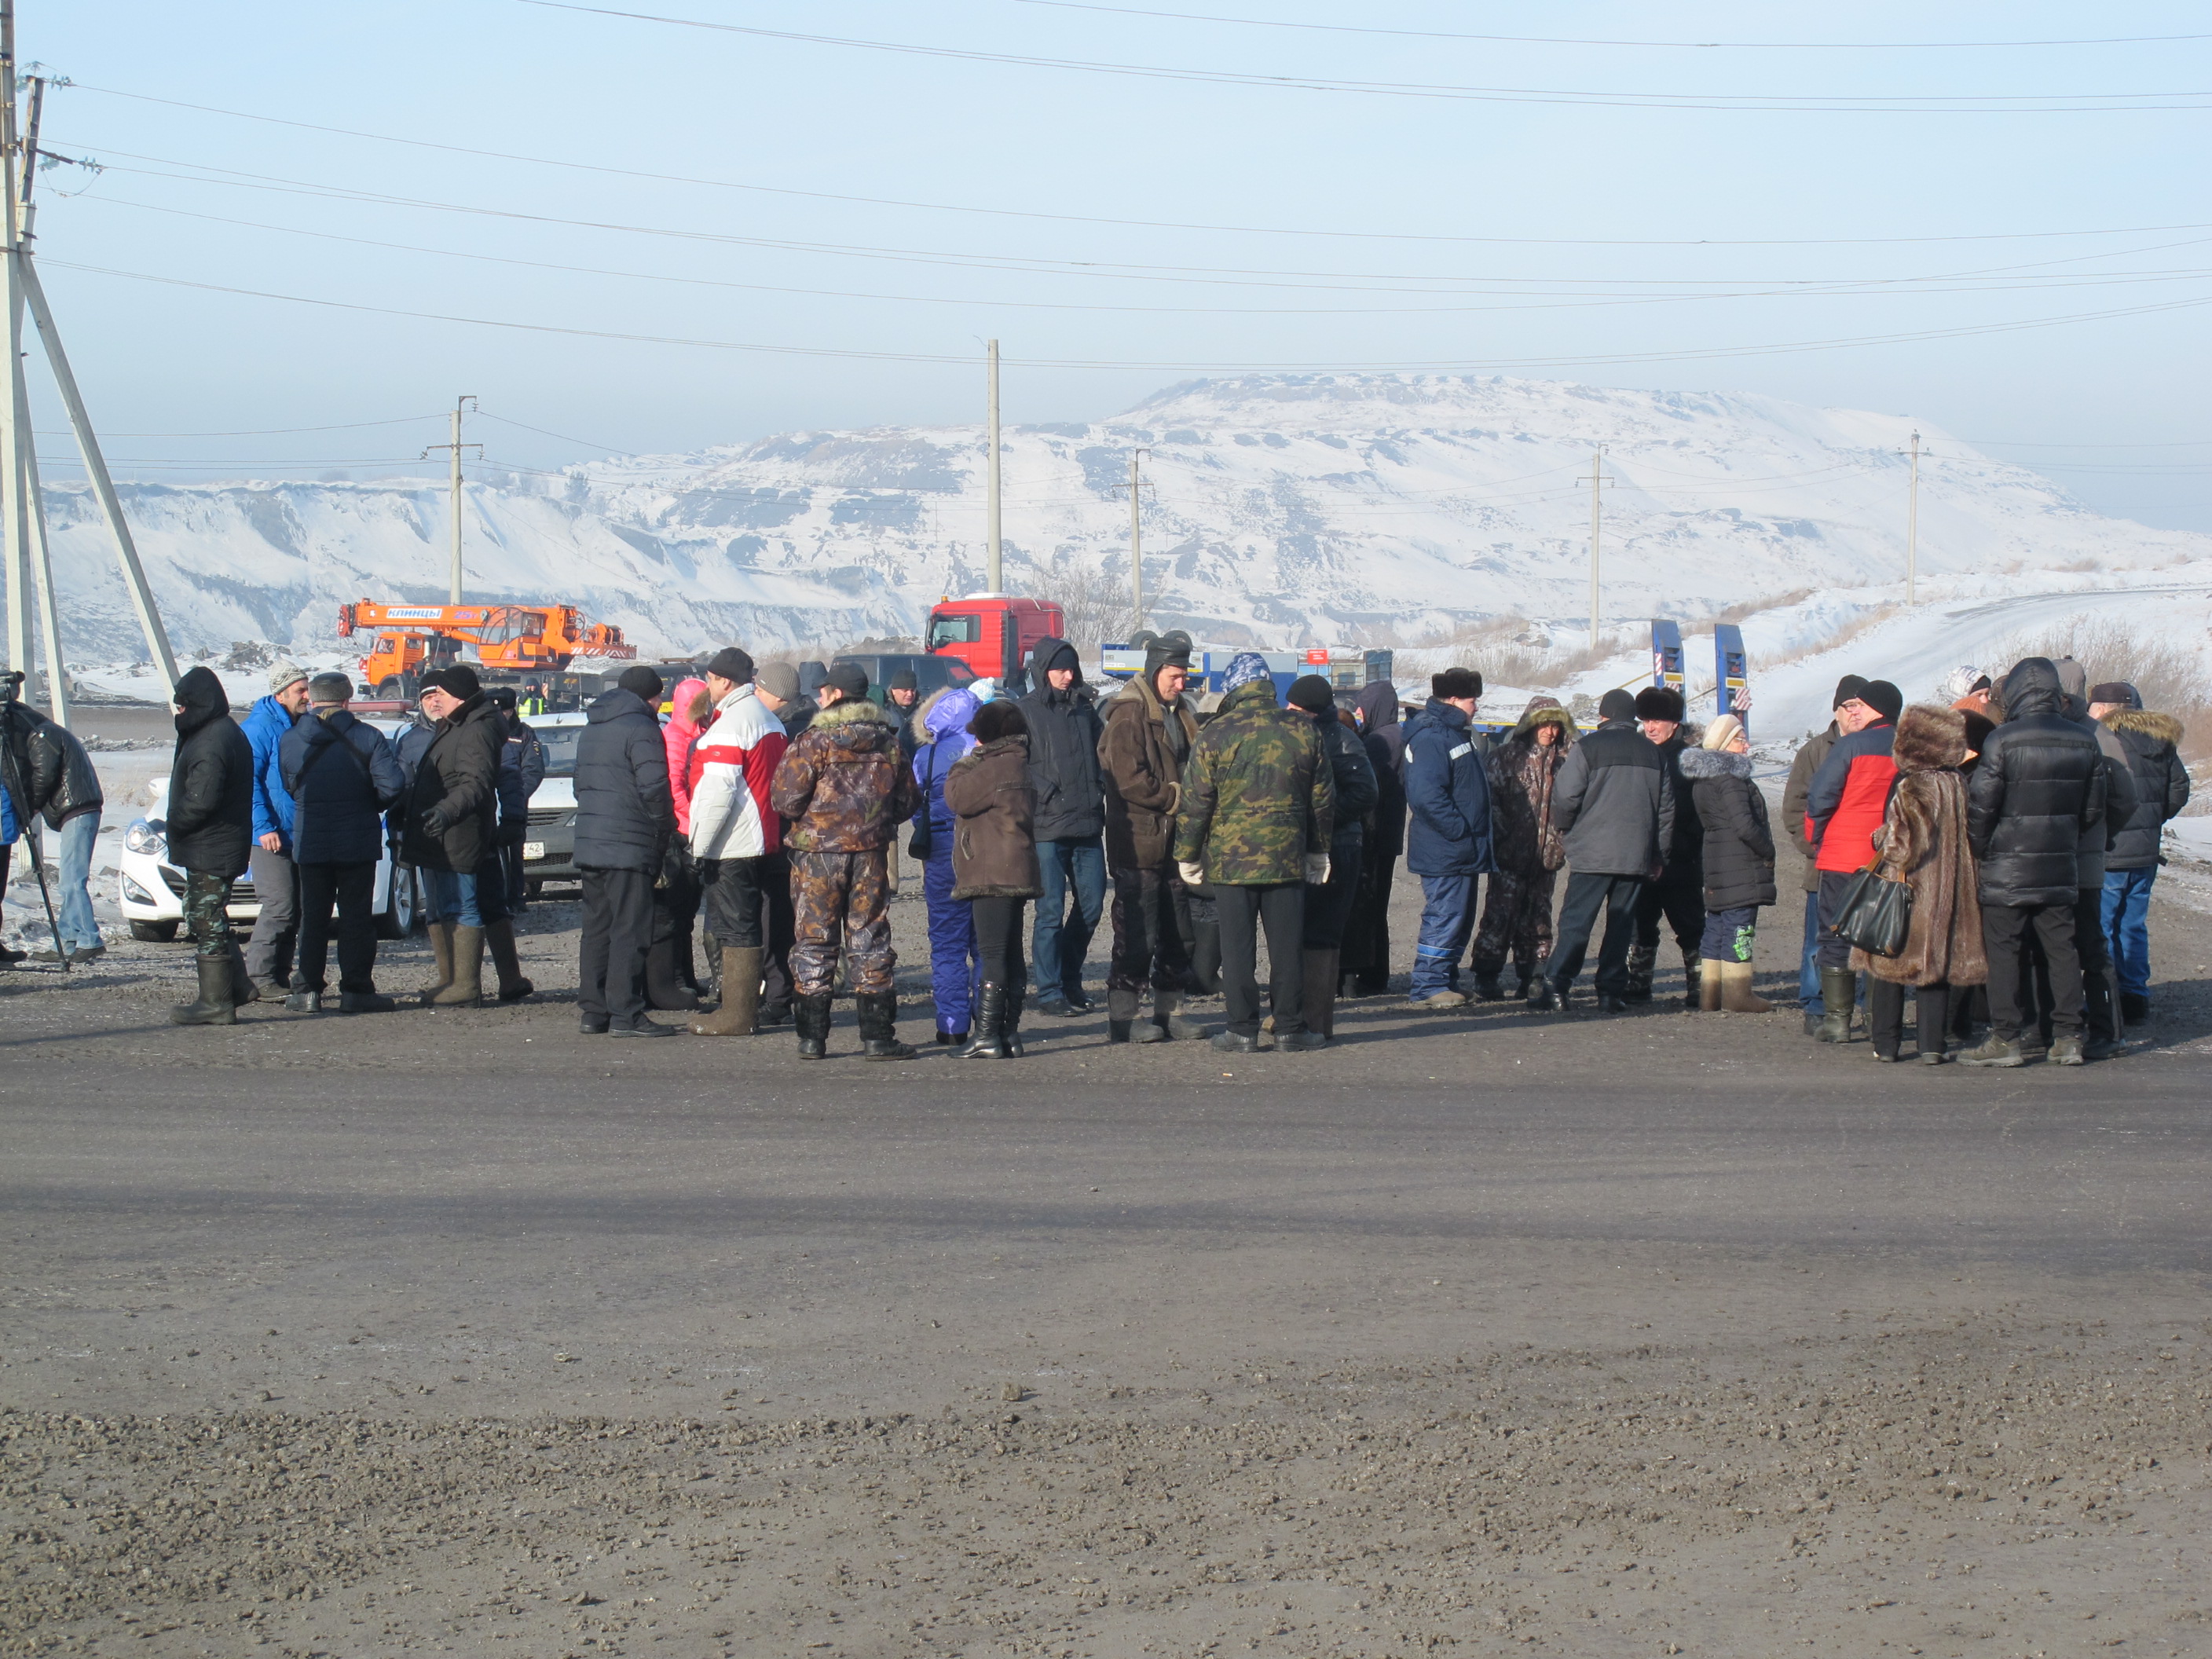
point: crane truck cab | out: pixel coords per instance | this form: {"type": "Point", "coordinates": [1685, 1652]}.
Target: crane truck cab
{"type": "Point", "coordinates": [993, 634]}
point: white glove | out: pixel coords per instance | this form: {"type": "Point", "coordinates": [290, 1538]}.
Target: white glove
{"type": "Point", "coordinates": [1316, 869]}
{"type": "Point", "coordinates": [1192, 873]}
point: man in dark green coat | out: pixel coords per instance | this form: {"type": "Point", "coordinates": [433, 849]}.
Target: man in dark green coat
{"type": "Point", "coordinates": [1259, 805]}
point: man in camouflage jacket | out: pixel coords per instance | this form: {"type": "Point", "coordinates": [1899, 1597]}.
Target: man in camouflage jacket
{"type": "Point", "coordinates": [1259, 804]}
{"type": "Point", "coordinates": [844, 789]}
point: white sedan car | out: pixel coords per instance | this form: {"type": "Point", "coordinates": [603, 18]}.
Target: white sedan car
{"type": "Point", "coordinates": [151, 890]}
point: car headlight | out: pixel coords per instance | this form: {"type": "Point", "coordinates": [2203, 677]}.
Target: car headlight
{"type": "Point", "coordinates": [135, 893]}
{"type": "Point", "coordinates": [143, 837]}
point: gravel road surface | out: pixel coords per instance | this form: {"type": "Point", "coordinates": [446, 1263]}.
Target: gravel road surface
{"type": "Point", "coordinates": [1484, 1334]}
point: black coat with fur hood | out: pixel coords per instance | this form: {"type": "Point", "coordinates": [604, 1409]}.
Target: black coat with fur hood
{"type": "Point", "coordinates": [2152, 744]}
{"type": "Point", "coordinates": [2040, 783]}
{"type": "Point", "coordinates": [1739, 836]}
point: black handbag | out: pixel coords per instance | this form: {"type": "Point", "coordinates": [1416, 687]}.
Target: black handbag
{"type": "Point", "coordinates": [1875, 915]}
{"type": "Point", "coordinates": [918, 844]}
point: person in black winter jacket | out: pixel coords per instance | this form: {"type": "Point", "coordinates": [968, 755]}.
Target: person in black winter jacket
{"type": "Point", "coordinates": [1328, 905]}
{"type": "Point", "coordinates": [1070, 824]}
{"type": "Point", "coordinates": [1678, 896]}
{"type": "Point", "coordinates": [2039, 782]}
{"type": "Point", "coordinates": [1614, 810]}
{"type": "Point", "coordinates": [1366, 954]}
{"type": "Point", "coordinates": [450, 826]}
{"type": "Point", "coordinates": [2151, 742]}
{"type": "Point", "coordinates": [60, 784]}
{"type": "Point", "coordinates": [210, 829]}
{"type": "Point", "coordinates": [1736, 859]}
{"type": "Point", "coordinates": [625, 814]}
{"type": "Point", "coordinates": [341, 776]}
{"type": "Point", "coordinates": [1448, 841]}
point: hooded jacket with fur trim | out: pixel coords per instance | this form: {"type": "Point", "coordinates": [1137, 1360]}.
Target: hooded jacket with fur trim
{"type": "Point", "coordinates": [1737, 837]}
{"type": "Point", "coordinates": [843, 784]}
{"type": "Point", "coordinates": [2152, 744]}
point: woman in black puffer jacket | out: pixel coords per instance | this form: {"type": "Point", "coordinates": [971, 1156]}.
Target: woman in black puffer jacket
{"type": "Point", "coordinates": [1739, 845]}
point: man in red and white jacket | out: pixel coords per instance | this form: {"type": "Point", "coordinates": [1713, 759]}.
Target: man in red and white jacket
{"type": "Point", "coordinates": [1844, 804]}
{"type": "Point", "coordinates": [733, 833]}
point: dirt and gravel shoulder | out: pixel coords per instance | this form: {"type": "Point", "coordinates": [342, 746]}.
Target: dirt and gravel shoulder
{"type": "Point", "coordinates": [1486, 1334]}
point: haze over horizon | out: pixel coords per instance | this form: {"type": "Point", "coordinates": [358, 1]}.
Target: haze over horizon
{"type": "Point", "coordinates": [1127, 198]}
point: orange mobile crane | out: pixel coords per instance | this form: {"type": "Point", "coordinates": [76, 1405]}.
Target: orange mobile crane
{"type": "Point", "coordinates": [522, 638]}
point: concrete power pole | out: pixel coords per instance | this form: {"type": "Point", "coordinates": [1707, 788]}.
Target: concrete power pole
{"type": "Point", "coordinates": [993, 573]}
{"type": "Point", "coordinates": [1597, 482]}
{"type": "Point", "coordinates": [14, 528]}
{"type": "Point", "coordinates": [453, 576]}
{"type": "Point", "coordinates": [1912, 529]}
{"type": "Point", "coordinates": [1136, 545]}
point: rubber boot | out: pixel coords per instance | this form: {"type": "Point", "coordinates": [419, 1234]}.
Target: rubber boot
{"type": "Point", "coordinates": [1735, 992]}
{"type": "Point", "coordinates": [740, 1014]}
{"type": "Point", "coordinates": [665, 988]}
{"type": "Point", "coordinates": [1321, 992]}
{"type": "Point", "coordinates": [879, 1016]}
{"type": "Point", "coordinates": [500, 939]}
{"type": "Point", "coordinates": [1642, 959]}
{"type": "Point", "coordinates": [1840, 992]}
{"type": "Point", "coordinates": [1010, 1027]}
{"type": "Point", "coordinates": [1120, 1019]}
{"type": "Point", "coordinates": [441, 952]}
{"type": "Point", "coordinates": [215, 1006]}
{"type": "Point", "coordinates": [989, 1015]}
{"type": "Point", "coordinates": [1486, 982]}
{"type": "Point", "coordinates": [1692, 968]}
{"type": "Point", "coordinates": [1708, 989]}
{"type": "Point", "coordinates": [1168, 1020]}
{"type": "Point", "coordinates": [810, 1015]}
{"type": "Point", "coordinates": [467, 989]}
{"type": "Point", "coordinates": [243, 990]}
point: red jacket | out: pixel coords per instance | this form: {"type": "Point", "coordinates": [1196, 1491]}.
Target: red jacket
{"type": "Point", "coordinates": [1849, 797]}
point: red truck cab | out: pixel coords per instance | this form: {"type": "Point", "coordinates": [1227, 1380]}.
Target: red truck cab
{"type": "Point", "coordinates": [992, 633]}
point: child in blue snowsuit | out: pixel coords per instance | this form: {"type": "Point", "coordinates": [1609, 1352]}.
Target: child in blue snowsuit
{"type": "Point", "coordinates": [941, 723]}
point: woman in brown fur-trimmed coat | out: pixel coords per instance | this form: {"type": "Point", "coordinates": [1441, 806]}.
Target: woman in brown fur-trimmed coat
{"type": "Point", "coordinates": [1923, 844]}
{"type": "Point", "coordinates": [993, 801]}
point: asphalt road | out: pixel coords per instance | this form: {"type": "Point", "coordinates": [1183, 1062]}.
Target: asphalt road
{"type": "Point", "coordinates": [1108, 1350]}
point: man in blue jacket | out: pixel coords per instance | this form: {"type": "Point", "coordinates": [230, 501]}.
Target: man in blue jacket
{"type": "Point", "coordinates": [341, 776]}
{"type": "Point", "coordinates": [275, 878]}
{"type": "Point", "coordinates": [1447, 831]}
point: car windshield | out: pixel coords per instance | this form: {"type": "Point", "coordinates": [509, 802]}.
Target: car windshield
{"type": "Point", "coordinates": [955, 630]}
{"type": "Point", "coordinates": [560, 743]}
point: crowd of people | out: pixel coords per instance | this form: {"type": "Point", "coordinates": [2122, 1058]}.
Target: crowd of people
{"type": "Point", "coordinates": [2019, 817]}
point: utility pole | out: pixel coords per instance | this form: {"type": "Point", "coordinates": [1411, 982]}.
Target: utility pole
{"type": "Point", "coordinates": [993, 573]}
{"type": "Point", "coordinates": [36, 546]}
{"type": "Point", "coordinates": [1912, 528]}
{"type": "Point", "coordinates": [13, 528]}
{"type": "Point", "coordinates": [453, 576]}
{"type": "Point", "coordinates": [1597, 482]}
{"type": "Point", "coordinates": [1136, 545]}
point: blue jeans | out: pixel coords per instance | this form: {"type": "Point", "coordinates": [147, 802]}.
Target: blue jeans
{"type": "Point", "coordinates": [1809, 963]}
{"type": "Point", "coordinates": [453, 898]}
{"type": "Point", "coordinates": [80, 931]}
{"type": "Point", "coordinates": [1447, 923]}
{"type": "Point", "coordinates": [2127, 925]}
{"type": "Point", "coordinates": [1063, 935]}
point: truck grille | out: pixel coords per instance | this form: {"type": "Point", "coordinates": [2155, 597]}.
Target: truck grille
{"type": "Point", "coordinates": [549, 814]}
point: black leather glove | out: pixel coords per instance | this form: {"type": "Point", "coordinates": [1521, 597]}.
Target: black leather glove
{"type": "Point", "coordinates": [434, 824]}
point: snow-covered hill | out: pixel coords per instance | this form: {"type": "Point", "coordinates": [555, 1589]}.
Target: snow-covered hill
{"type": "Point", "coordinates": [1281, 509]}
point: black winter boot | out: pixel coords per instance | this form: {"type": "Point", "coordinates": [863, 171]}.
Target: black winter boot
{"type": "Point", "coordinates": [1485, 981]}
{"type": "Point", "coordinates": [878, 1017]}
{"type": "Point", "coordinates": [812, 1016]}
{"type": "Point", "coordinates": [1691, 966]}
{"type": "Point", "coordinates": [1010, 1028]}
{"type": "Point", "coordinates": [1545, 997]}
{"type": "Point", "coordinates": [215, 1006]}
{"type": "Point", "coordinates": [665, 988]}
{"type": "Point", "coordinates": [2102, 1005]}
{"type": "Point", "coordinates": [989, 1016]}
{"type": "Point", "coordinates": [1121, 1018]}
{"type": "Point", "coordinates": [1168, 1022]}
{"type": "Point", "coordinates": [1839, 994]}
{"type": "Point", "coordinates": [1642, 959]}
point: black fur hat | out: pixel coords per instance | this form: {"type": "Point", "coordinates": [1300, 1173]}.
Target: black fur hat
{"type": "Point", "coordinates": [1456, 683]}
{"type": "Point", "coordinates": [1659, 702]}
{"type": "Point", "coordinates": [998, 719]}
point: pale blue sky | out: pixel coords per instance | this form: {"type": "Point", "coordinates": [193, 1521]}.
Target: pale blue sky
{"type": "Point", "coordinates": [2118, 404]}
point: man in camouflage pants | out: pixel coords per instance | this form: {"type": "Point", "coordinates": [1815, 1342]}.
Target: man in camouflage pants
{"type": "Point", "coordinates": [845, 789]}
{"type": "Point", "coordinates": [1259, 803]}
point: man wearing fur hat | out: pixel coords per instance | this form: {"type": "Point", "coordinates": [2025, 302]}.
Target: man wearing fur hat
{"type": "Point", "coordinates": [1148, 732]}
{"type": "Point", "coordinates": [1448, 842]}
{"type": "Point", "coordinates": [845, 790]}
{"type": "Point", "coordinates": [2151, 742]}
{"type": "Point", "coordinates": [1679, 894]}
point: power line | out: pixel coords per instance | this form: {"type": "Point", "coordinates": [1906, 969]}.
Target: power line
{"type": "Point", "coordinates": [1977, 104]}
{"type": "Point", "coordinates": [1573, 40]}
{"type": "Point", "coordinates": [268, 431]}
{"type": "Point", "coordinates": [1135, 224]}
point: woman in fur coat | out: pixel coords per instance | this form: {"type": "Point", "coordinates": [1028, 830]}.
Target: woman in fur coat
{"type": "Point", "coordinates": [992, 798]}
{"type": "Point", "coordinates": [1516, 914]}
{"type": "Point", "coordinates": [1739, 865]}
{"type": "Point", "coordinates": [1923, 844]}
